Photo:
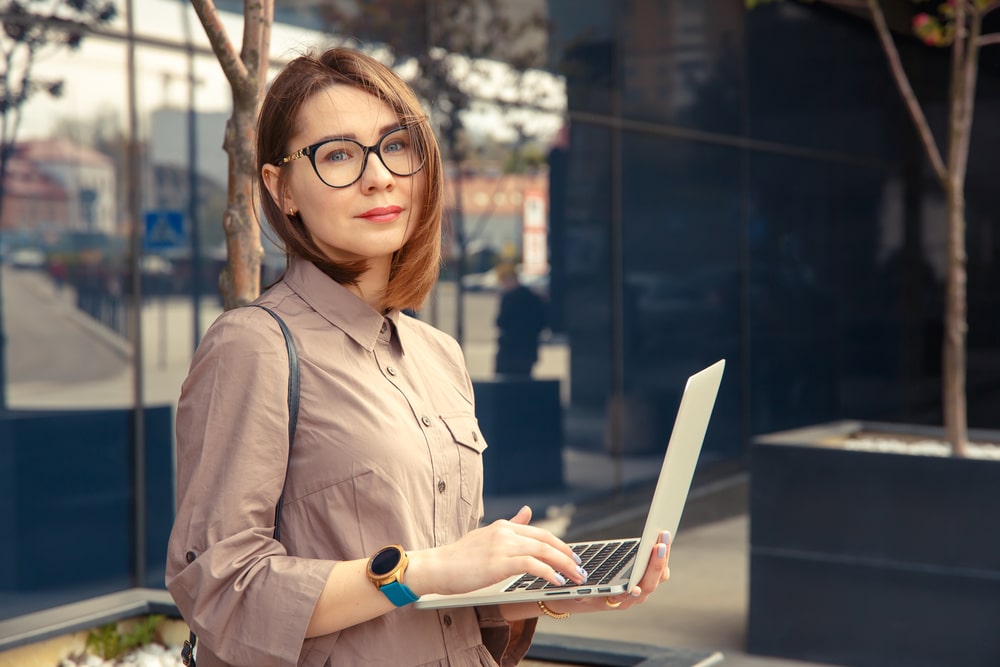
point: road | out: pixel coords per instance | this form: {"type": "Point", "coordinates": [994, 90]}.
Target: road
{"type": "Point", "coordinates": [58, 356]}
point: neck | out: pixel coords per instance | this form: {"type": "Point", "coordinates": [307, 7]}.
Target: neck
{"type": "Point", "coordinates": [372, 283]}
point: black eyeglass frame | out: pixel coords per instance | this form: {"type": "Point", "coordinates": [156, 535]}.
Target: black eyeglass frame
{"type": "Point", "coordinates": [310, 152]}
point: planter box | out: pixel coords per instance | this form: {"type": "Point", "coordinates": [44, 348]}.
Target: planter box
{"type": "Point", "coordinates": [870, 559]}
{"type": "Point", "coordinates": [67, 498]}
{"type": "Point", "coordinates": [521, 419]}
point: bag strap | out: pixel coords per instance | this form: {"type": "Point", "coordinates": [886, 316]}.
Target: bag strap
{"type": "Point", "coordinates": [293, 408]}
{"type": "Point", "coordinates": [187, 650]}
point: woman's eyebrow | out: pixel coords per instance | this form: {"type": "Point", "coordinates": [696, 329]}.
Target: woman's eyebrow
{"type": "Point", "coordinates": [351, 135]}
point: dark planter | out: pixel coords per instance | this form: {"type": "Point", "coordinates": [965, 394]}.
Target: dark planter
{"type": "Point", "coordinates": [521, 419]}
{"type": "Point", "coordinates": [67, 499]}
{"type": "Point", "coordinates": [870, 559]}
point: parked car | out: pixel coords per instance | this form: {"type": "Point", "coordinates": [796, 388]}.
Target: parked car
{"type": "Point", "coordinates": [27, 258]}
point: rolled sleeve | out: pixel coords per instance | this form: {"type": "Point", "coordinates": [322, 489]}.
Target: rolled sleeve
{"type": "Point", "coordinates": [248, 601]}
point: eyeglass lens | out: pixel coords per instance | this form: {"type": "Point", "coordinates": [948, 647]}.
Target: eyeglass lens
{"type": "Point", "coordinates": [339, 162]}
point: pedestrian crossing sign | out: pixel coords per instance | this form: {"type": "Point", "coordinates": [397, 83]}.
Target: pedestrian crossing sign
{"type": "Point", "coordinates": [163, 230]}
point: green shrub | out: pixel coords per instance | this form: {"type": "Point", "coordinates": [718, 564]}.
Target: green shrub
{"type": "Point", "coordinates": [113, 640]}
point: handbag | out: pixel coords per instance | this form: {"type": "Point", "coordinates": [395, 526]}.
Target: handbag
{"type": "Point", "coordinates": [187, 650]}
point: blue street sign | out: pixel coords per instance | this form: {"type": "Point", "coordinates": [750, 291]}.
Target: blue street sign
{"type": "Point", "coordinates": [164, 230]}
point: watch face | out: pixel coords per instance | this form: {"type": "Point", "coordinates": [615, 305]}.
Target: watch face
{"type": "Point", "coordinates": [385, 561]}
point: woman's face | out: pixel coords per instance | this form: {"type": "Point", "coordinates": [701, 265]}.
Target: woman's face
{"type": "Point", "coordinates": [370, 219]}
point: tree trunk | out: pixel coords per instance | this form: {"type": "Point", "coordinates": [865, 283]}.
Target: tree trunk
{"type": "Point", "coordinates": [955, 325]}
{"type": "Point", "coordinates": [239, 281]}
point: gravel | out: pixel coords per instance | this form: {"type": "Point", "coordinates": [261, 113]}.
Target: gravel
{"type": "Point", "coordinates": [151, 655]}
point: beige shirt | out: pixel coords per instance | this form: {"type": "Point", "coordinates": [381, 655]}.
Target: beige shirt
{"type": "Point", "coordinates": [387, 450]}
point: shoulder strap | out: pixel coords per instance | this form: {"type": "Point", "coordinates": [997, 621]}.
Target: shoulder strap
{"type": "Point", "coordinates": [293, 407]}
{"type": "Point", "coordinates": [187, 651]}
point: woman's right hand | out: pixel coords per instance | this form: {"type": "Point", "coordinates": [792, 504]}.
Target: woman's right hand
{"type": "Point", "coordinates": [490, 554]}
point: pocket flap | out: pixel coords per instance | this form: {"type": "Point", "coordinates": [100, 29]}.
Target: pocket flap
{"type": "Point", "coordinates": [464, 429]}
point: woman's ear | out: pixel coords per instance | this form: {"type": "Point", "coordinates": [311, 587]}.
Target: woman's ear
{"type": "Point", "coordinates": [272, 181]}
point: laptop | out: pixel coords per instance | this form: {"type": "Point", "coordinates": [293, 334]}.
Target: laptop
{"type": "Point", "coordinates": [610, 564]}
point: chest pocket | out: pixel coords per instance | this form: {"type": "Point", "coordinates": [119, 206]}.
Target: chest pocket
{"type": "Point", "coordinates": [471, 444]}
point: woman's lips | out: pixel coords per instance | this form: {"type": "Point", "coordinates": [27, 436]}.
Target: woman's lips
{"type": "Point", "coordinates": [382, 214]}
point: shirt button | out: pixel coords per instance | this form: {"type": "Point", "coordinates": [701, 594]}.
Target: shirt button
{"type": "Point", "coordinates": [390, 370]}
{"type": "Point", "coordinates": [447, 621]}
{"type": "Point", "coordinates": [190, 556]}
{"type": "Point", "coordinates": [442, 486]}
{"type": "Point", "coordinates": [384, 327]}
{"type": "Point", "coordinates": [426, 420]}
{"type": "Point", "coordinates": [475, 437]}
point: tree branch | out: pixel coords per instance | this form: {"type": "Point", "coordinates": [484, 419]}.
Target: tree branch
{"type": "Point", "coordinates": [232, 65]}
{"type": "Point", "coordinates": [906, 90]}
{"type": "Point", "coordinates": [966, 74]}
{"type": "Point", "coordinates": [987, 40]}
{"type": "Point", "coordinates": [257, 17]}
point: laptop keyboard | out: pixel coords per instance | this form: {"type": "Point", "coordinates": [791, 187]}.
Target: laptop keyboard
{"type": "Point", "coordinates": [603, 561]}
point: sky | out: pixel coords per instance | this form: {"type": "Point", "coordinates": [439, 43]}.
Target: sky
{"type": "Point", "coordinates": [95, 74]}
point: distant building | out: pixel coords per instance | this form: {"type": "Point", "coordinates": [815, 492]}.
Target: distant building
{"type": "Point", "coordinates": [33, 201]}
{"type": "Point", "coordinates": [492, 210]}
{"type": "Point", "coordinates": [58, 185]}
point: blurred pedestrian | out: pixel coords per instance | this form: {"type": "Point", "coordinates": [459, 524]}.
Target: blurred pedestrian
{"type": "Point", "coordinates": [520, 321]}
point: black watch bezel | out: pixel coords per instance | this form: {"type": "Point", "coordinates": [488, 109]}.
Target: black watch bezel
{"type": "Point", "coordinates": [384, 561]}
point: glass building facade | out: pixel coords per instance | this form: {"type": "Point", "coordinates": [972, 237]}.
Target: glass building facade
{"type": "Point", "coordinates": [680, 180]}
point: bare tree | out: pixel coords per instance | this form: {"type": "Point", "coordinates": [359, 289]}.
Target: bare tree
{"type": "Point", "coordinates": [958, 25]}
{"type": "Point", "coordinates": [30, 28]}
{"type": "Point", "coordinates": [247, 74]}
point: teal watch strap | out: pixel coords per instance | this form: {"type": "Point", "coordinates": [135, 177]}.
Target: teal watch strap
{"type": "Point", "coordinates": [399, 593]}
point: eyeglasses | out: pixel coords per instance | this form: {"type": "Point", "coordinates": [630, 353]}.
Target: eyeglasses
{"type": "Point", "coordinates": [341, 162]}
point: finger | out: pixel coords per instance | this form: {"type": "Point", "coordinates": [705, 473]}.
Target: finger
{"type": "Point", "coordinates": [545, 537]}
{"type": "Point", "coordinates": [539, 568]}
{"type": "Point", "coordinates": [666, 569]}
{"type": "Point", "coordinates": [523, 516]}
{"type": "Point", "coordinates": [550, 558]}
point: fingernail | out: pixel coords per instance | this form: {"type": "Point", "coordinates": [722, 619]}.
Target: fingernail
{"type": "Point", "coordinates": [661, 551]}
{"type": "Point", "coordinates": [635, 592]}
{"type": "Point", "coordinates": [666, 537]}
{"type": "Point", "coordinates": [583, 573]}
{"type": "Point", "coordinates": [561, 579]}
{"type": "Point", "coordinates": [576, 557]}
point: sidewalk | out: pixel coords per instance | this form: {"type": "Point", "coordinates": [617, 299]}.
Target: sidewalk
{"type": "Point", "coordinates": [704, 605]}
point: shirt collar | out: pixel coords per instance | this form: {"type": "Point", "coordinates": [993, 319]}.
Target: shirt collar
{"type": "Point", "coordinates": [338, 305]}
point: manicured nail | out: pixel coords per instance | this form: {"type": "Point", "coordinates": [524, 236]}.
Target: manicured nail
{"type": "Point", "coordinates": [635, 592]}
{"type": "Point", "coordinates": [661, 551]}
{"type": "Point", "coordinates": [583, 573]}
{"type": "Point", "coordinates": [665, 537]}
{"type": "Point", "coordinates": [576, 557]}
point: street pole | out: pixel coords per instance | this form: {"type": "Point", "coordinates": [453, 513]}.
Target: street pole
{"type": "Point", "coordinates": [134, 202]}
{"type": "Point", "coordinates": [192, 148]}
{"type": "Point", "coordinates": [5, 152]}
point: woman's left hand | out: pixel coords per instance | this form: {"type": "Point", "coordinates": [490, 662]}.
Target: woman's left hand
{"type": "Point", "coordinates": [657, 572]}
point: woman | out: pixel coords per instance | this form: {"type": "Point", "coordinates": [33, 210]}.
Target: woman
{"type": "Point", "coordinates": [387, 450]}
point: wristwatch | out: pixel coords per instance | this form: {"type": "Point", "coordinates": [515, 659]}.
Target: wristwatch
{"type": "Point", "coordinates": [385, 570]}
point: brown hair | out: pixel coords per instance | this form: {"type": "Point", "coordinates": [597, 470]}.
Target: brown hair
{"type": "Point", "coordinates": [417, 264]}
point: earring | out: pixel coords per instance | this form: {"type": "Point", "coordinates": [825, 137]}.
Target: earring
{"type": "Point", "coordinates": [291, 210]}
